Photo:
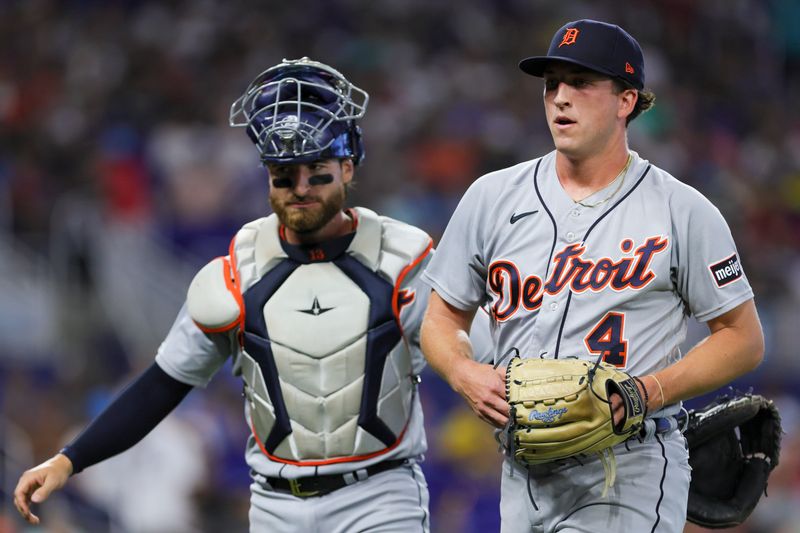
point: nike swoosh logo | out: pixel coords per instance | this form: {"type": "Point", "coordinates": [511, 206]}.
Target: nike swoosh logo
{"type": "Point", "coordinates": [516, 217]}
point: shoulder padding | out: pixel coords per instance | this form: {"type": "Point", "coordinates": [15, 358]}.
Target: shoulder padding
{"type": "Point", "coordinates": [388, 245]}
{"type": "Point", "coordinates": [214, 301]}
{"type": "Point", "coordinates": [366, 245]}
{"type": "Point", "coordinates": [404, 240]}
{"type": "Point", "coordinates": [256, 249]}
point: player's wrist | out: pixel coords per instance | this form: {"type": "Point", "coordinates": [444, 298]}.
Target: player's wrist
{"type": "Point", "coordinates": [643, 394]}
{"type": "Point", "coordinates": [655, 392]}
{"type": "Point", "coordinates": [63, 463]}
{"type": "Point", "coordinates": [459, 373]}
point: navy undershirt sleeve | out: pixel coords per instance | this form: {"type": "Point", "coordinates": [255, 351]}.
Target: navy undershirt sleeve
{"type": "Point", "coordinates": [128, 419]}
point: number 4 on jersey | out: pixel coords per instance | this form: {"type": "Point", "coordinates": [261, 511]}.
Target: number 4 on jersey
{"type": "Point", "coordinates": [607, 339]}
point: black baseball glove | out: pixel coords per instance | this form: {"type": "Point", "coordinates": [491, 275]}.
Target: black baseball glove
{"type": "Point", "coordinates": [730, 470]}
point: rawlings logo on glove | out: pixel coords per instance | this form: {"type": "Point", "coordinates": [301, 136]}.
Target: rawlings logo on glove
{"type": "Point", "coordinates": [548, 417]}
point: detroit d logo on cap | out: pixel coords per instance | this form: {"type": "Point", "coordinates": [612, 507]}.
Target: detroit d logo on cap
{"type": "Point", "coordinates": [570, 36]}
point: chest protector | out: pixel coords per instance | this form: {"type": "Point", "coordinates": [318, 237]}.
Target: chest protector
{"type": "Point", "coordinates": [327, 372]}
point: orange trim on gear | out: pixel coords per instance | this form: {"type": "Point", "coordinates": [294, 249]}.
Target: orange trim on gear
{"type": "Point", "coordinates": [235, 286]}
{"type": "Point", "coordinates": [220, 329]}
{"type": "Point", "coordinates": [232, 284]}
{"type": "Point", "coordinates": [351, 459]}
{"type": "Point", "coordinates": [354, 215]}
{"type": "Point", "coordinates": [403, 273]}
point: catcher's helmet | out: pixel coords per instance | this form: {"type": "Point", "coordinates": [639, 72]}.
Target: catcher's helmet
{"type": "Point", "coordinates": [300, 111]}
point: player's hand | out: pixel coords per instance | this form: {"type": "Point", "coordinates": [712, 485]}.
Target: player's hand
{"type": "Point", "coordinates": [36, 484]}
{"type": "Point", "coordinates": [617, 408]}
{"type": "Point", "coordinates": [484, 388]}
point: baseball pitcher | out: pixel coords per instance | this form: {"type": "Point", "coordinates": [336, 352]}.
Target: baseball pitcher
{"type": "Point", "coordinates": [591, 259]}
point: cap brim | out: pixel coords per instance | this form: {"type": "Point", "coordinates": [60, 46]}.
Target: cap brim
{"type": "Point", "coordinates": [535, 65]}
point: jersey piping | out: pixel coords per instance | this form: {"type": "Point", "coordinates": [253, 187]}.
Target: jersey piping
{"type": "Point", "coordinates": [555, 234]}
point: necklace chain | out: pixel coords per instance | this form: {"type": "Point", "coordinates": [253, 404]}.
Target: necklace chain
{"type": "Point", "coordinates": [623, 173]}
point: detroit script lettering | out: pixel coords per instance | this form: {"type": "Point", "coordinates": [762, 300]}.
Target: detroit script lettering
{"type": "Point", "coordinates": [571, 270]}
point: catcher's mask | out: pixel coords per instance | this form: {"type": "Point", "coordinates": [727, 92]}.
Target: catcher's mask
{"type": "Point", "coordinates": [301, 111]}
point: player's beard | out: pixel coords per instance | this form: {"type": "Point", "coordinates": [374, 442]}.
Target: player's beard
{"type": "Point", "coordinates": [310, 219]}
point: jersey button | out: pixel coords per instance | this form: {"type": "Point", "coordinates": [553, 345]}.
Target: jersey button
{"type": "Point", "coordinates": [553, 306]}
{"type": "Point", "coordinates": [575, 213]}
{"type": "Point", "coordinates": [570, 236]}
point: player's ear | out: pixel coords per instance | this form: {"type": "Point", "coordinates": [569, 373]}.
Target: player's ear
{"type": "Point", "coordinates": [348, 169]}
{"type": "Point", "coordinates": [627, 102]}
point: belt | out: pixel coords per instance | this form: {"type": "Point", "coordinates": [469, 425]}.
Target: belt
{"type": "Point", "coordinates": [306, 487]}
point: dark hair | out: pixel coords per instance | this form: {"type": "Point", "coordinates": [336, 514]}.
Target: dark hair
{"type": "Point", "coordinates": [645, 101]}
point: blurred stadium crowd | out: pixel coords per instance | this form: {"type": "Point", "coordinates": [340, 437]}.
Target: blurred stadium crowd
{"type": "Point", "coordinates": [119, 178]}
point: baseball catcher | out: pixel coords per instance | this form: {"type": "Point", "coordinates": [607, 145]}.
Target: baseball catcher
{"type": "Point", "coordinates": [734, 444]}
{"type": "Point", "coordinates": [318, 307]}
{"type": "Point", "coordinates": [560, 408]}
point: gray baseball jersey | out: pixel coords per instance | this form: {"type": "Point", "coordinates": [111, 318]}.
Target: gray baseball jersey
{"type": "Point", "coordinates": [616, 280]}
{"type": "Point", "coordinates": [614, 276]}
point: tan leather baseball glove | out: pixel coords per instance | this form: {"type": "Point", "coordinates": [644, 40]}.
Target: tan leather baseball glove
{"type": "Point", "coordinates": [560, 408]}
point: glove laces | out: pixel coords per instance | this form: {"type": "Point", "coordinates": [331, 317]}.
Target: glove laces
{"type": "Point", "coordinates": [609, 462]}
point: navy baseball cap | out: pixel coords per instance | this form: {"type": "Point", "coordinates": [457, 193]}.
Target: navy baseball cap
{"type": "Point", "coordinates": [598, 46]}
